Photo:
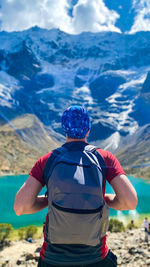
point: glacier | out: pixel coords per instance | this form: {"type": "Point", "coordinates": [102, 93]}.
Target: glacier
{"type": "Point", "coordinates": [44, 71]}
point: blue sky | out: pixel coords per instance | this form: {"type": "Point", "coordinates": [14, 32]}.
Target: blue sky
{"type": "Point", "coordinates": [76, 16]}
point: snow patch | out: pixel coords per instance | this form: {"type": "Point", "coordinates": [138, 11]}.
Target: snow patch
{"type": "Point", "coordinates": [84, 93]}
{"type": "Point", "coordinates": [113, 142]}
{"type": "Point", "coordinates": [7, 86]}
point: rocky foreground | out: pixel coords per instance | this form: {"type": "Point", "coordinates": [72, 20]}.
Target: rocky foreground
{"type": "Point", "coordinates": [129, 246]}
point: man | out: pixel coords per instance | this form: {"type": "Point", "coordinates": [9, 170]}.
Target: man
{"type": "Point", "coordinates": [146, 224]}
{"type": "Point", "coordinates": [146, 228]}
{"type": "Point", "coordinates": [71, 252]}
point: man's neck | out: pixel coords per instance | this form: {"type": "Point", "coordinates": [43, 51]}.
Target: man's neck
{"type": "Point", "coordinates": [75, 140]}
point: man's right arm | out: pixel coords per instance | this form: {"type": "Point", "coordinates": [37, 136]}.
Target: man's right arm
{"type": "Point", "coordinates": [27, 200]}
{"type": "Point", "coordinates": [125, 197]}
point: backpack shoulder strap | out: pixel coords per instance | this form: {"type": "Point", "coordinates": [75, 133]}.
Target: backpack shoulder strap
{"type": "Point", "coordinates": [102, 163]}
{"type": "Point", "coordinates": [51, 161]}
{"type": "Point", "coordinates": [93, 149]}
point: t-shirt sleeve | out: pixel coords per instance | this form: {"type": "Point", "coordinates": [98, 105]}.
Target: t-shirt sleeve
{"type": "Point", "coordinates": [113, 165]}
{"type": "Point", "coordinates": [38, 168]}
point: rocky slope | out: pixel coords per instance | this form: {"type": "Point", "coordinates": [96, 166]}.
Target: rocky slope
{"type": "Point", "coordinates": [135, 156]}
{"type": "Point", "coordinates": [24, 139]}
{"type": "Point", "coordinates": [129, 246]}
{"type": "Point", "coordinates": [22, 142]}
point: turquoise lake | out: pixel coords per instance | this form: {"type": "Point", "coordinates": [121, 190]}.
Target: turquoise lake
{"type": "Point", "coordinates": [9, 185]}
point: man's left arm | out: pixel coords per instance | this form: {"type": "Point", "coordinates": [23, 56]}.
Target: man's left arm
{"type": "Point", "coordinates": [27, 200]}
{"type": "Point", "coordinates": [125, 197]}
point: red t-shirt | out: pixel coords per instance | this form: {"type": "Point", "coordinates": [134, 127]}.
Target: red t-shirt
{"type": "Point", "coordinates": [113, 166]}
{"type": "Point", "coordinates": [113, 169]}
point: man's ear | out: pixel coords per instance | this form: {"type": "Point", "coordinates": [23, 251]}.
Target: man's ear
{"type": "Point", "coordinates": [87, 133]}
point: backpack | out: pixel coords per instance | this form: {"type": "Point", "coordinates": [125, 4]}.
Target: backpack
{"type": "Point", "coordinates": [77, 212]}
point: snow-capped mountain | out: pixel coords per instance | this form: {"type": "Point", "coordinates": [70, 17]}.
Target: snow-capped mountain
{"type": "Point", "coordinates": [44, 71]}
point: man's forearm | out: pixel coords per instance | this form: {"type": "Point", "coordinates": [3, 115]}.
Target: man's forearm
{"type": "Point", "coordinates": [114, 203]}
{"type": "Point", "coordinates": [40, 203]}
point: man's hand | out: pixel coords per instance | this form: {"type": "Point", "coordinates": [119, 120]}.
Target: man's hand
{"type": "Point", "coordinates": [27, 200]}
{"type": "Point", "coordinates": [125, 197]}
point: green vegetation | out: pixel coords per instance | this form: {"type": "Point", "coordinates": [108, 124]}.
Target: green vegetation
{"type": "Point", "coordinates": [8, 233]}
{"type": "Point", "coordinates": [131, 225]}
{"type": "Point", "coordinates": [21, 233]}
{"type": "Point", "coordinates": [26, 232]}
{"type": "Point", "coordinates": [115, 226]}
{"type": "Point", "coordinates": [5, 231]}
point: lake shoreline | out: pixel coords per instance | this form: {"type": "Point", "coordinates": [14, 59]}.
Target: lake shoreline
{"type": "Point", "coordinates": [13, 184]}
{"type": "Point", "coordinates": [125, 220]}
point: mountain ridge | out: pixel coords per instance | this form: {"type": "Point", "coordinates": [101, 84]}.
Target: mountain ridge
{"type": "Point", "coordinates": [42, 72]}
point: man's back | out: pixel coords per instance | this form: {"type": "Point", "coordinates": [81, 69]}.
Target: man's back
{"type": "Point", "coordinates": [76, 123]}
{"type": "Point", "coordinates": [95, 252]}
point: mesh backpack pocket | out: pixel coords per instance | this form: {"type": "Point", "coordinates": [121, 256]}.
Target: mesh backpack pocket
{"type": "Point", "coordinates": [69, 226]}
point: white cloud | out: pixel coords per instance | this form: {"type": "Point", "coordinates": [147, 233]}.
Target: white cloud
{"type": "Point", "coordinates": [88, 15]}
{"type": "Point", "coordinates": [22, 14]}
{"type": "Point", "coordinates": [93, 16]}
{"type": "Point", "coordinates": [142, 19]}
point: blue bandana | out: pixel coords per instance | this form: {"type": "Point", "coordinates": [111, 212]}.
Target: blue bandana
{"type": "Point", "coordinates": [75, 122]}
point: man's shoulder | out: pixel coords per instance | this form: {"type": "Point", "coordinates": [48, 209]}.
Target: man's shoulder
{"type": "Point", "coordinates": [45, 157]}
{"type": "Point", "coordinates": [104, 153]}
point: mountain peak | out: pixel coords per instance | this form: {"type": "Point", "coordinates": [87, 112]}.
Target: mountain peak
{"type": "Point", "coordinates": [42, 72]}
